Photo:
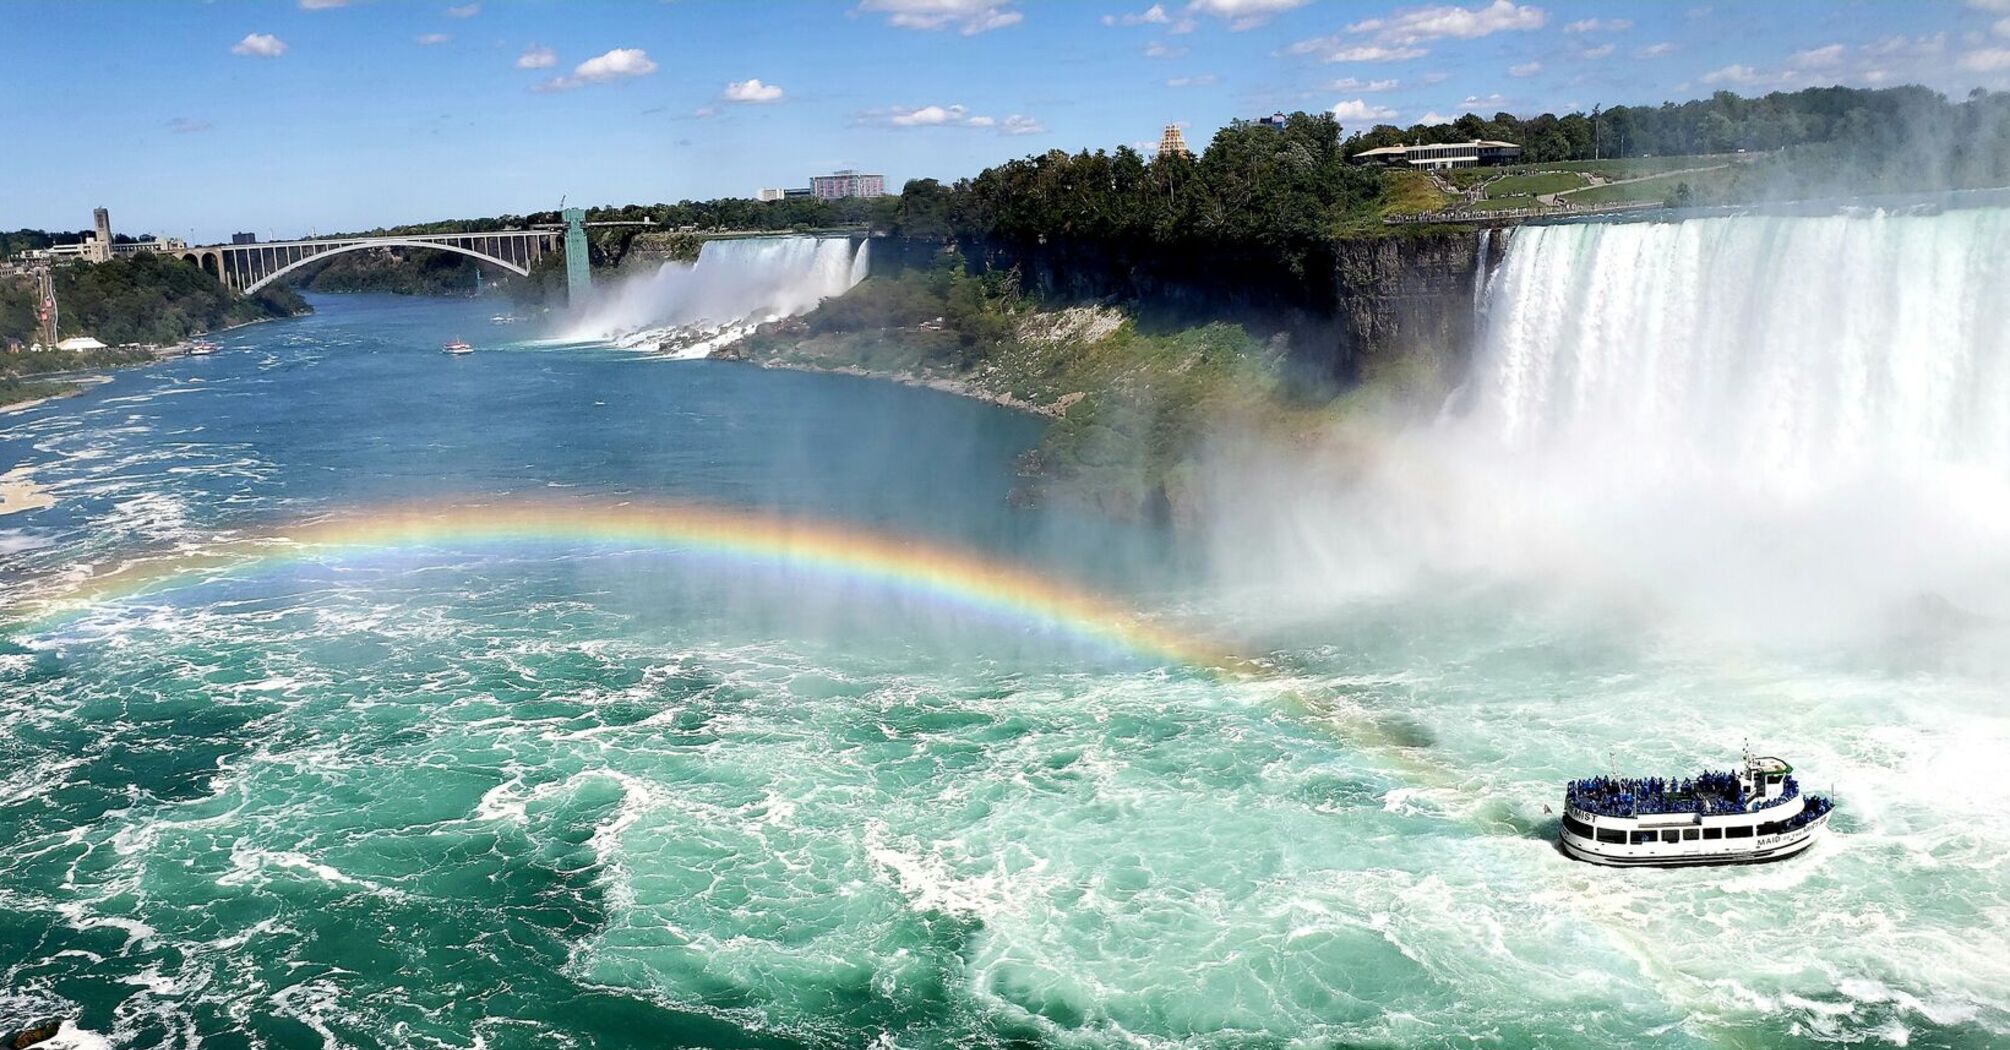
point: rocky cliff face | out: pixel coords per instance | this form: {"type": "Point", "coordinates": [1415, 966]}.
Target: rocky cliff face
{"type": "Point", "coordinates": [1406, 307]}
{"type": "Point", "coordinates": [1397, 309]}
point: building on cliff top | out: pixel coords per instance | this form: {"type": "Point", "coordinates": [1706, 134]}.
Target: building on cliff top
{"type": "Point", "coordinates": [847, 183]}
{"type": "Point", "coordinates": [1474, 154]}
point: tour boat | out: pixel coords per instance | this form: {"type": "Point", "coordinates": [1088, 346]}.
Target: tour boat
{"type": "Point", "coordinates": [200, 348]}
{"type": "Point", "coordinates": [1756, 813]}
{"type": "Point", "coordinates": [457, 347]}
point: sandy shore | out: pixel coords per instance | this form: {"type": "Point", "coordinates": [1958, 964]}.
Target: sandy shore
{"type": "Point", "coordinates": [18, 492]}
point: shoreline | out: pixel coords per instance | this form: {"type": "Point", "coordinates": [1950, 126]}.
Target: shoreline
{"type": "Point", "coordinates": [77, 386]}
{"type": "Point", "coordinates": [82, 381]}
{"type": "Point", "coordinates": [958, 387]}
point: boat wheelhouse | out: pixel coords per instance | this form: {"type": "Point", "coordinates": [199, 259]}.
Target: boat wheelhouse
{"type": "Point", "coordinates": [1755, 813]}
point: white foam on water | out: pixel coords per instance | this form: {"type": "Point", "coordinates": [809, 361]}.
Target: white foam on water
{"type": "Point", "coordinates": [71, 1037]}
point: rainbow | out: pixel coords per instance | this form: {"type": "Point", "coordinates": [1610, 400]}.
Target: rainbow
{"type": "Point", "coordinates": [826, 551]}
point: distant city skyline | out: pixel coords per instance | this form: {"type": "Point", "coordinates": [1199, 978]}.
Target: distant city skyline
{"type": "Point", "coordinates": [200, 120]}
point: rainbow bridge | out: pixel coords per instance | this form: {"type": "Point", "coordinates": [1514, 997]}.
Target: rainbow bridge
{"type": "Point", "coordinates": [247, 268]}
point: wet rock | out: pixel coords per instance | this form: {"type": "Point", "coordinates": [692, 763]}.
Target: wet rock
{"type": "Point", "coordinates": [32, 1034]}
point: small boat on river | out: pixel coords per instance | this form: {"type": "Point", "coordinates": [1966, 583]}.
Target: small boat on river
{"type": "Point", "coordinates": [201, 348]}
{"type": "Point", "coordinates": [1744, 816]}
{"type": "Point", "coordinates": [457, 347]}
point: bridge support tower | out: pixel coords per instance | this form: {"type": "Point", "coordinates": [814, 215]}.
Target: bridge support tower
{"type": "Point", "coordinates": [578, 278]}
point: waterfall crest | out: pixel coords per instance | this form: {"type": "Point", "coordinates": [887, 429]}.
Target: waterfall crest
{"type": "Point", "coordinates": [691, 309]}
{"type": "Point", "coordinates": [1782, 351]}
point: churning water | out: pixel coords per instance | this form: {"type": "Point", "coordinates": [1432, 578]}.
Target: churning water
{"type": "Point", "coordinates": [690, 309]}
{"type": "Point", "coordinates": [608, 791]}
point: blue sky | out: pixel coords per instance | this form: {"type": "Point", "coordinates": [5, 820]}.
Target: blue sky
{"type": "Point", "coordinates": [196, 119]}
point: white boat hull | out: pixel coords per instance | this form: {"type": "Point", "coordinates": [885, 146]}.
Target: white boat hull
{"type": "Point", "coordinates": [1792, 845]}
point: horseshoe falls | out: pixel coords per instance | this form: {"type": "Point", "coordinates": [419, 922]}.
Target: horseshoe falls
{"type": "Point", "coordinates": [356, 695]}
{"type": "Point", "coordinates": [1786, 423]}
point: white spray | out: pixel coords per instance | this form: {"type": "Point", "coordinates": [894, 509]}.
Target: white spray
{"type": "Point", "coordinates": [691, 309]}
{"type": "Point", "coordinates": [1766, 425]}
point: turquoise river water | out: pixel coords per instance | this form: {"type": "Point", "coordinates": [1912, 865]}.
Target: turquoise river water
{"type": "Point", "coordinates": [590, 792]}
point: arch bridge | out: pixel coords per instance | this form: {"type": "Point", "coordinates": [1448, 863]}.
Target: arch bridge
{"type": "Point", "coordinates": [247, 268]}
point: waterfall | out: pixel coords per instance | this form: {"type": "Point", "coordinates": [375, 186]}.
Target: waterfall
{"type": "Point", "coordinates": [1769, 422]}
{"type": "Point", "coordinates": [691, 309]}
{"type": "Point", "coordinates": [1480, 270]}
{"type": "Point", "coordinates": [861, 262]}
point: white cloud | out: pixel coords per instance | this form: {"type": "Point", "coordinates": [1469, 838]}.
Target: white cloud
{"type": "Point", "coordinates": [615, 64]}
{"type": "Point", "coordinates": [928, 116]}
{"type": "Point", "coordinates": [1202, 80]}
{"type": "Point", "coordinates": [1419, 24]}
{"type": "Point", "coordinates": [955, 116]}
{"type": "Point", "coordinates": [751, 91]}
{"type": "Point", "coordinates": [322, 5]}
{"type": "Point", "coordinates": [1596, 53]}
{"type": "Point", "coordinates": [464, 11]}
{"type": "Point", "coordinates": [968, 17]}
{"type": "Point", "coordinates": [1700, 12]}
{"type": "Point", "coordinates": [1245, 14]}
{"type": "Point", "coordinates": [1818, 56]}
{"type": "Point", "coordinates": [1493, 102]}
{"type": "Point", "coordinates": [1357, 84]}
{"type": "Point", "coordinates": [259, 45]}
{"type": "Point", "coordinates": [1332, 49]}
{"type": "Point", "coordinates": [1655, 50]}
{"type": "Point", "coordinates": [1161, 49]}
{"type": "Point", "coordinates": [1733, 74]}
{"type": "Point", "coordinates": [1526, 69]}
{"type": "Point", "coordinates": [1907, 45]}
{"type": "Point", "coordinates": [1434, 117]}
{"type": "Point", "coordinates": [1361, 109]}
{"type": "Point", "coordinates": [2001, 28]}
{"type": "Point", "coordinates": [537, 56]}
{"type": "Point", "coordinates": [431, 39]}
{"type": "Point", "coordinates": [1985, 60]}
{"type": "Point", "coordinates": [1154, 15]}
{"type": "Point", "coordinates": [618, 64]}
{"type": "Point", "coordinates": [188, 126]}
{"type": "Point", "coordinates": [1599, 25]}
{"type": "Point", "coordinates": [1434, 78]}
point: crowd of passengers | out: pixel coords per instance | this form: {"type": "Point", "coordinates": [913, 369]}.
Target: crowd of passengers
{"type": "Point", "coordinates": [1707, 793]}
{"type": "Point", "coordinates": [1815, 807]}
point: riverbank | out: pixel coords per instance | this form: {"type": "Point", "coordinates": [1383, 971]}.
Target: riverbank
{"type": "Point", "coordinates": [24, 396]}
{"type": "Point", "coordinates": [1130, 402]}
{"type": "Point", "coordinates": [940, 384]}
{"type": "Point", "coordinates": [30, 379]}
